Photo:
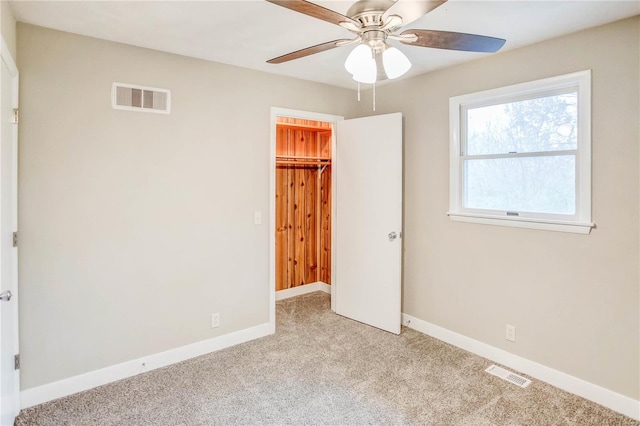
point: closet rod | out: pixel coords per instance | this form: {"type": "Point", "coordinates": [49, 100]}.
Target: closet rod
{"type": "Point", "coordinates": [302, 163]}
{"type": "Point", "coordinates": [296, 157]}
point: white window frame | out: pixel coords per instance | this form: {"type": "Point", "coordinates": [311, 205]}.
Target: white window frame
{"type": "Point", "coordinates": [580, 222]}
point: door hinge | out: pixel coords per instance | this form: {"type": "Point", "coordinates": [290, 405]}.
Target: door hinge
{"type": "Point", "coordinates": [15, 239]}
{"type": "Point", "coordinates": [16, 115]}
{"type": "Point", "coordinates": [16, 362]}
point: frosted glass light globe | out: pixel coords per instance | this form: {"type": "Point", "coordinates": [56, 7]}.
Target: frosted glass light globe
{"type": "Point", "coordinates": [361, 65]}
{"type": "Point", "coordinates": [367, 74]}
{"type": "Point", "coordinates": [358, 58]}
{"type": "Point", "coordinates": [395, 62]}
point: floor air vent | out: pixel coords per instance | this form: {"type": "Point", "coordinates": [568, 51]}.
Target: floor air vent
{"type": "Point", "coordinates": [140, 98]}
{"type": "Point", "coordinates": [508, 376]}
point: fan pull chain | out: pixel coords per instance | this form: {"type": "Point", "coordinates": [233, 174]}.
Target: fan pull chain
{"type": "Point", "coordinates": [374, 95]}
{"type": "Point", "coordinates": [358, 91]}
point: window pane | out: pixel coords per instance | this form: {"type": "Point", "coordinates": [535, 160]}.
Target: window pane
{"type": "Point", "coordinates": [528, 184]}
{"type": "Point", "coordinates": [533, 125]}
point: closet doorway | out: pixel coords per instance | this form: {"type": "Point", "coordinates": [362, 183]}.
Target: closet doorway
{"type": "Point", "coordinates": [303, 203]}
{"type": "Point", "coordinates": [302, 179]}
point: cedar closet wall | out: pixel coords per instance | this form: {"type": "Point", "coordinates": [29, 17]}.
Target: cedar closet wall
{"type": "Point", "coordinates": [303, 202]}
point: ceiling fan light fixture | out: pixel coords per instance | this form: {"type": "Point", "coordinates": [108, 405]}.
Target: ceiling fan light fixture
{"type": "Point", "coordinates": [373, 22]}
{"type": "Point", "coordinates": [395, 62]}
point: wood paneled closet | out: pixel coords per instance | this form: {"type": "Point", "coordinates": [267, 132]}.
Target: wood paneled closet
{"type": "Point", "coordinates": [303, 202]}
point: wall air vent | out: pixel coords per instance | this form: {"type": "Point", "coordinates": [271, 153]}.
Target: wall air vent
{"type": "Point", "coordinates": [508, 376]}
{"type": "Point", "coordinates": [140, 98]}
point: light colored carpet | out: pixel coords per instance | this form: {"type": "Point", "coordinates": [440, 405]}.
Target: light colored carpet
{"type": "Point", "coordinates": [320, 368]}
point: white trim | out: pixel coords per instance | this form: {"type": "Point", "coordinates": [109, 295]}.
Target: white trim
{"type": "Point", "coordinates": [7, 59]}
{"type": "Point", "coordinates": [610, 399]}
{"type": "Point", "coordinates": [305, 115]}
{"type": "Point", "coordinates": [548, 225]}
{"type": "Point", "coordinates": [334, 215]}
{"type": "Point", "coordinates": [303, 289]}
{"type": "Point", "coordinates": [581, 221]}
{"type": "Point", "coordinates": [92, 379]}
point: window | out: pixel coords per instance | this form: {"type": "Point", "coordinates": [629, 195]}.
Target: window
{"type": "Point", "coordinates": [521, 155]}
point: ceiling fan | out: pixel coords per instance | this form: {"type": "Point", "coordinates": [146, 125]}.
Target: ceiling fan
{"type": "Point", "coordinates": [373, 22]}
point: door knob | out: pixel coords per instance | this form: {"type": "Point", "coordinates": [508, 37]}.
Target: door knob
{"type": "Point", "coordinates": [392, 235]}
{"type": "Point", "coordinates": [5, 296]}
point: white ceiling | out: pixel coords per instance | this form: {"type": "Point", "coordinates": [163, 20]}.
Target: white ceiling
{"type": "Point", "coordinates": [246, 33]}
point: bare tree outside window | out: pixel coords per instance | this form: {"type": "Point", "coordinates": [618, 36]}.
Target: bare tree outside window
{"type": "Point", "coordinates": [521, 156]}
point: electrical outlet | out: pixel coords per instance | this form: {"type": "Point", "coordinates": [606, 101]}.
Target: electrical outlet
{"type": "Point", "coordinates": [215, 320]}
{"type": "Point", "coordinates": [511, 333]}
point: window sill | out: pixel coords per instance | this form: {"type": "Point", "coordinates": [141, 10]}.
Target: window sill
{"type": "Point", "coordinates": [559, 226]}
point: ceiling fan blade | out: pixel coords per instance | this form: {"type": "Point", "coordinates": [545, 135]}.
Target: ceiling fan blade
{"type": "Point", "coordinates": [309, 51]}
{"type": "Point", "coordinates": [453, 41]}
{"type": "Point", "coordinates": [312, 9]}
{"type": "Point", "coordinates": [411, 10]}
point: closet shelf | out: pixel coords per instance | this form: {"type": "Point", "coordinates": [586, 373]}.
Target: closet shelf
{"type": "Point", "coordinates": [313, 161]}
{"type": "Point", "coordinates": [303, 127]}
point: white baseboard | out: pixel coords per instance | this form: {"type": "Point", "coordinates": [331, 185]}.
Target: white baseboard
{"type": "Point", "coordinates": [615, 401]}
{"type": "Point", "coordinates": [82, 382]}
{"type": "Point", "coordinates": [303, 289]}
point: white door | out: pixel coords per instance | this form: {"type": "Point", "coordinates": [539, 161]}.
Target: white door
{"type": "Point", "coordinates": [9, 378]}
{"type": "Point", "coordinates": [368, 220]}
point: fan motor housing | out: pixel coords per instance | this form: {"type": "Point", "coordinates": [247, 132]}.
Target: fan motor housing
{"type": "Point", "coordinates": [375, 39]}
{"type": "Point", "coordinates": [369, 12]}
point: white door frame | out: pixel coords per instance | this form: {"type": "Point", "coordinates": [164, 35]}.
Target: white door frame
{"type": "Point", "coordinates": [7, 58]}
{"type": "Point", "coordinates": [304, 115]}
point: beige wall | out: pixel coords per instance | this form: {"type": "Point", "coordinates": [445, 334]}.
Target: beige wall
{"type": "Point", "coordinates": [136, 227]}
{"type": "Point", "coordinates": [573, 298]}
